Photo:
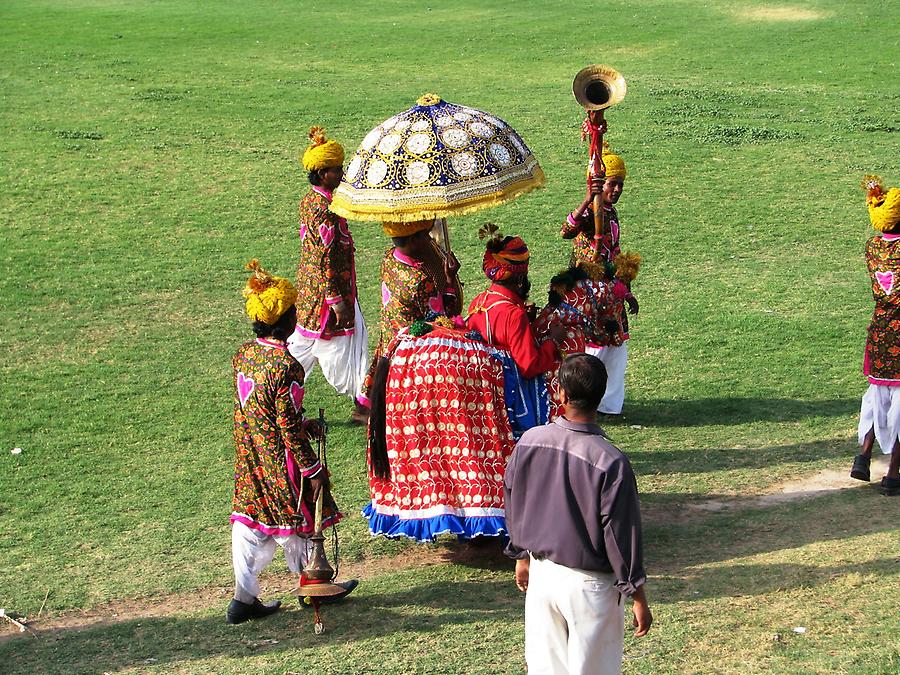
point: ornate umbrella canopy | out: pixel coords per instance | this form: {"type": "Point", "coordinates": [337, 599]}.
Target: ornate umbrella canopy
{"type": "Point", "coordinates": [435, 160]}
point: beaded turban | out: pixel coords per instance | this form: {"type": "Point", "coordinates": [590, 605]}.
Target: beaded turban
{"type": "Point", "coordinates": [884, 207]}
{"type": "Point", "coordinates": [268, 296]}
{"type": "Point", "coordinates": [322, 153]}
{"type": "Point", "coordinates": [510, 260]}
{"type": "Point", "coordinates": [615, 165]}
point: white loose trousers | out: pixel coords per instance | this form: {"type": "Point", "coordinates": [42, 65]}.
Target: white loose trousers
{"type": "Point", "coordinates": [880, 410]}
{"type": "Point", "coordinates": [574, 621]}
{"type": "Point", "coordinates": [344, 359]}
{"type": "Point", "coordinates": [252, 551]}
{"type": "Point", "coordinates": [615, 359]}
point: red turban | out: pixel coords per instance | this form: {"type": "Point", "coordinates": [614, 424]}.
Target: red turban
{"type": "Point", "coordinates": [510, 260]}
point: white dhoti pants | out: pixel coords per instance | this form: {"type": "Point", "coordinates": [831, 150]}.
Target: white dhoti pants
{"type": "Point", "coordinates": [574, 621]}
{"type": "Point", "coordinates": [344, 359]}
{"type": "Point", "coordinates": [880, 410]}
{"type": "Point", "coordinates": [615, 359]}
{"type": "Point", "coordinates": [252, 551]}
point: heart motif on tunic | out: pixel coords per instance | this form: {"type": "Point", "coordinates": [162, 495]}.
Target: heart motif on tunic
{"type": "Point", "coordinates": [245, 387]}
{"type": "Point", "coordinates": [297, 396]}
{"type": "Point", "coordinates": [885, 280]}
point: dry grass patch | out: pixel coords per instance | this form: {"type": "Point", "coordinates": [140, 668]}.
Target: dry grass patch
{"type": "Point", "coordinates": [780, 13]}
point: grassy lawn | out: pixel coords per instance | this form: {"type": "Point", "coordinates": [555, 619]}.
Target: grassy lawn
{"type": "Point", "coordinates": [148, 150]}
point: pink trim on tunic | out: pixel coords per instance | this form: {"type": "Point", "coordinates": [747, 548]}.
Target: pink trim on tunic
{"type": "Point", "coordinates": [282, 530]}
{"type": "Point", "coordinates": [890, 237]}
{"type": "Point", "coordinates": [406, 260]}
{"type": "Point", "coordinates": [265, 342]}
{"type": "Point", "coordinates": [876, 380]}
{"type": "Point", "coordinates": [322, 191]}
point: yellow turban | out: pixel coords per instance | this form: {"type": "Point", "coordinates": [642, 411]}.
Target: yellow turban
{"type": "Point", "coordinates": [268, 297]}
{"type": "Point", "coordinates": [322, 154]}
{"type": "Point", "coordinates": [406, 229]}
{"type": "Point", "coordinates": [615, 165]}
{"type": "Point", "coordinates": [884, 210]}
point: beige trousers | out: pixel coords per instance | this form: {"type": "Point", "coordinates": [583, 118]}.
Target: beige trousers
{"type": "Point", "coordinates": [574, 621]}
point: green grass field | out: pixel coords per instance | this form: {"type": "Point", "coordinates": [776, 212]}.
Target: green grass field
{"type": "Point", "coordinates": [148, 150]}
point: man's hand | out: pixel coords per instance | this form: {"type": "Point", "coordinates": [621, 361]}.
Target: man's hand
{"type": "Point", "coordinates": [318, 483]}
{"type": "Point", "coordinates": [641, 610]}
{"type": "Point", "coordinates": [632, 304]}
{"type": "Point", "coordinates": [558, 333]}
{"type": "Point", "coordinates": [594, 188]}
{"type": "Point", "coordinates": [312, 428]}
{"type": "Point", "coordinates": [343, 316]}
{"type": "Point", "coordinates": [522, 567]}
{"type": "Point", "coordinates": [451, 268]}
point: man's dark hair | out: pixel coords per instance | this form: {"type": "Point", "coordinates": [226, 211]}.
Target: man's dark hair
{"type": "Point", "coordinates": [280, 330]}
{"type": "Point", "coordinates": [315, 178]}
{"type": "Point", "coordinates": [583, 378]}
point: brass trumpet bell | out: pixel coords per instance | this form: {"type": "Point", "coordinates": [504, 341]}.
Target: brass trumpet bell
{"type": "Point", "coordinates": [598, 87]}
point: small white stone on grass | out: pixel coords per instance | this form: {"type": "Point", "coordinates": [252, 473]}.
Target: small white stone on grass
{"type": "Point", "coordinates": [16, 451]}
{"type": "Point", "coordinates": [800, 629]}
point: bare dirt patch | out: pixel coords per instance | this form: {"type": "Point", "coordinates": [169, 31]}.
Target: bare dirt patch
{"type": "Point", "coordinates": [807, 487]}
{"type": "Point", "coordinates": [780, 13]}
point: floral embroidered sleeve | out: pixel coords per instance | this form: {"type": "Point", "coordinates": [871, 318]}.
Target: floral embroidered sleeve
{"type": "Point", "coordinates": [335, 263]}
{"type": "Point", "coordinates": [572, 226]}
{"type": "Point", "coordinates": [289, 419]}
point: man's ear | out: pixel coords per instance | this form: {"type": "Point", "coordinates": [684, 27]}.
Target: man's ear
{"type": "Point", "coordinates": [563, 396]}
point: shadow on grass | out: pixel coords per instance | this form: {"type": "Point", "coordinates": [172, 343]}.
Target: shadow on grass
{"type": "Point", "coordinates": [762, 579]}
{"type": "Point", "coordinates": [826, 517]}
{"type": "Point", "coordinates": [710, 460]}
{"type": "Point", "coordinates": [395, 605]}
{"type": "Point", "coordinates": [732, 411]}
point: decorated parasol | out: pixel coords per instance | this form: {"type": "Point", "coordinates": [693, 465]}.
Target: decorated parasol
{"type": "Point", "coordinates": [435, 160]}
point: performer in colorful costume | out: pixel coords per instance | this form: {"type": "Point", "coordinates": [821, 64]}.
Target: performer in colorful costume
{"type": "Point", "coordinates": [579, 225]}
{"type": "Point", "coordinates": [500, 316]}
{"type": "Point", "coordinates": [276, 472]}
{"type": "Point", "coordinates": [879, 417]}
{"type": "Point", "coordinates": [330, 329]}
{"type": "Point", "coordinates": [593, 254]}
{"type": "Point", "coordinates": [591, 310]}
{"type": "Point", "coordinates": [417, 282]}
{"type": "Point", "coordinates": [446, 409]}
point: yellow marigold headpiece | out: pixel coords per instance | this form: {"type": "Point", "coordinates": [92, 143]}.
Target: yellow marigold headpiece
{"type": "Point", "coordinates": [406, 229]}
{"type": "Point", "coordinates": [627, 266]}
{"type": "Point", "coordinates": [884, 207]}
{"type": "Point", "coordinates": [268, 297]}
{"type": "Point", "coordinates": [322, 153]}
{"type": "Point", "coordinates": [615, 165]}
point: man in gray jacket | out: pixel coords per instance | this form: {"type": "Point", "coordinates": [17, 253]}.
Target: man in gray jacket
{"type": "Point", "coordinates": [574, 523]}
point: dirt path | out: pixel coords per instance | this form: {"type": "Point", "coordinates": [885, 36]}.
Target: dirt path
{"type": "Point", "coordinates": [814, 485]}
{"type": "Point", "coordinates": [422, 556]}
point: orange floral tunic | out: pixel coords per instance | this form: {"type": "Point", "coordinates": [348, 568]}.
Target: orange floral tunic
{"type": "Point", "coordinates": [326, 273]}
{"type": "Point", "coordinates": [882, 365]}
{"type": "Point", "coordinates": [273, 452]}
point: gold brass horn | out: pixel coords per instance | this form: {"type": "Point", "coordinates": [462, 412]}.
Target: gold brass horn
{"type": "Point", "coordinates": [598, 87]}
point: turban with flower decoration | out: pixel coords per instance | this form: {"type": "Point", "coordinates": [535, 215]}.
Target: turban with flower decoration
{"type": "Point", "coordinates": [268, 296]}
{"type": "Point", "coordinates": [322, 153]}
{"type": "Point", "coordinates": [884, 207]}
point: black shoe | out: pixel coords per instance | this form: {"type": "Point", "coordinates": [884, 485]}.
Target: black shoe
{"type": "Point", "coordinates": [239, 612]}
{"type": "Point", "coordinates": [348, 587]}
{"type": "Point", "coordinates": [890, 487]}
{"type": "Point", "coordinates": [860, 470]}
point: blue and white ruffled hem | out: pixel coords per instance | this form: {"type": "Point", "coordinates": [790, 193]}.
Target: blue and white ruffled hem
{"type": "Point", "coordinates": [425, 530]}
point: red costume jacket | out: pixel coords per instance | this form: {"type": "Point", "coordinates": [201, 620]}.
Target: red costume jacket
{"type": "Point", "coordinates": [499, 315]}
